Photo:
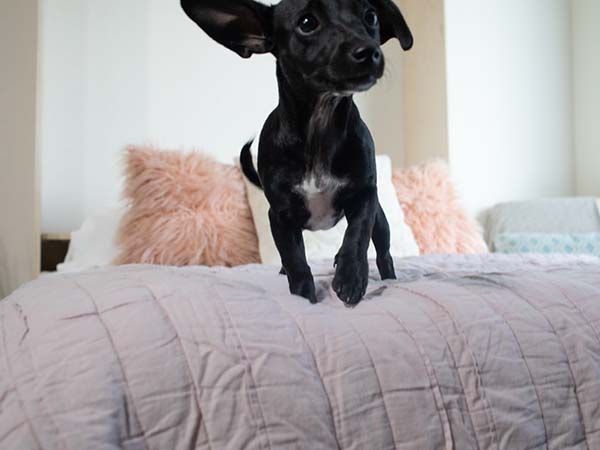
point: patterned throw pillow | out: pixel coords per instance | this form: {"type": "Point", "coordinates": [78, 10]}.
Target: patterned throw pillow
{"type": "Point", "coordinates": [571, 244]}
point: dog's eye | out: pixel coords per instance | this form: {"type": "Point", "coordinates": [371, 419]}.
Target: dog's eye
{"type": "Point", "coordinates": [308, 24]}
{"type": "Point", "coordinates": [371, 18]}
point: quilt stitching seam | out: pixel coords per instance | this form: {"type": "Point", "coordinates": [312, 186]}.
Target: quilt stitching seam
{"type": "Point", "coordinates": [246, 360]}
{"type": "Point", "coordinates": [562, 344]}
{"type": "Point", "coordinates": [197, 343]}
{"type": "Point", "coordinates": [195, 388]}
{"type": "Point", "coordinates": [578, 309]}
{"type": "Point", "coordinates": [488, 409]}
{"type": "Point", "coordinates": [117, 356]}
{"type": "Point", "coordinates": [16, 390]}
{"type": "Point", "coordinates": [458, 376]}
{"type": "Point", "coordinates": [385, 407]}
{"type": "Point", "coordinates": [41, 401]}
{"type": "Point", "coordinates": [438, 396]}
{"type": "Point", "coordinates": [312, 353]}
{"type": "Point", "coordinates": [523, 357]}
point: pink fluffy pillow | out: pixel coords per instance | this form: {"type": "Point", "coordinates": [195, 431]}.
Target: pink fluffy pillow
{"type": "Point", "coordinates": [185, 209]}
{"type": "Point", "coordinates": [432, 209]}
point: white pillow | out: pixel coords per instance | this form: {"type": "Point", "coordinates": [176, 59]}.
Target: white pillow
{"type": "Point", "coordinates": [325, 244]}
{"type": "Point", "coordinates": [93, 245]}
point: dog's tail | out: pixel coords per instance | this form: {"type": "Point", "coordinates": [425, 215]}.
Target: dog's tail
{"type": "Point", "coordinates": [248, 165]}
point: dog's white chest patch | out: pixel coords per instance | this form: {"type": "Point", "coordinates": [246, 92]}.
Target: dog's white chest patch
{"type": "Point", "coordinates": [319, 193]}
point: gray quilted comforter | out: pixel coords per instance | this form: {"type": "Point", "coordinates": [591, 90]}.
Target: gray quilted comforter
{"type": "Point", "coordinates": [460, 353]}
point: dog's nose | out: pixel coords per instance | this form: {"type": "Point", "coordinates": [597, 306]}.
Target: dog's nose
{"type": "Point", "coordinates": [367, 55]}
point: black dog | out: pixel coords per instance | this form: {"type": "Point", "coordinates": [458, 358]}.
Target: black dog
{"type": "Point", "coordinates": [316, 159]}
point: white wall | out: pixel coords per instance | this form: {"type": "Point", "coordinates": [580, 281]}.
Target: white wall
{"type": "Point", "coordinates": [117, 73]}
{"type": "Point", "coordinates": [115, 94]}
{"type": "Point", "coordinates": [140, 71]}
{"type": "Point", "coordinates": [509, 99]}
{"type": "Point", "coordinates": [586, 84]}
{"type": "Point", "coordinates": [199, 93]}
{"type": "Point", "coordinates": [382, 107]}
{"type": "Point", "coordinates": [488, 86]}
{"type": "Point", "coordinates": [19, 205]}
{"type": "Point", "coordinates": [62, 100]}
{"type": "Point", "coordinates": [93, 94]}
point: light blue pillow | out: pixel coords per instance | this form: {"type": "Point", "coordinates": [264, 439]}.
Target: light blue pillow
{"type": "Point", "coordinates": [571, 244]}
{"type": "Point", "coordinates": [557, 216]}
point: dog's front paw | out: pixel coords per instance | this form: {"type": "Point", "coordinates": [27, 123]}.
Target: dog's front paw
{"type": "Point", "coordinates": [351, 279]}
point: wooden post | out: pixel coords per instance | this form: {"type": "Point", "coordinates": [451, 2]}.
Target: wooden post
{"type": "Point", "coordinates": [19, 192]}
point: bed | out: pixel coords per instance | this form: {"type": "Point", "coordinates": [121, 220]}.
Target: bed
{"type": "Point", "coordinates": [461, 352]}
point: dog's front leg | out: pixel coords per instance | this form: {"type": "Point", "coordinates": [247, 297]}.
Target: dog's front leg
{"type": "Point", "coordinates": [290, 244]}
{"type": "Point", "coordinates": [381, 240]}
{"type": "Point", "coordinates": [352, 266]}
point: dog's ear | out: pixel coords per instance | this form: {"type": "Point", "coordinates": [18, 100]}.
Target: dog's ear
{"type": "Point", "coordinates": [244, 26]}
{"type": "Point", "coordinates": [392, 23]}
